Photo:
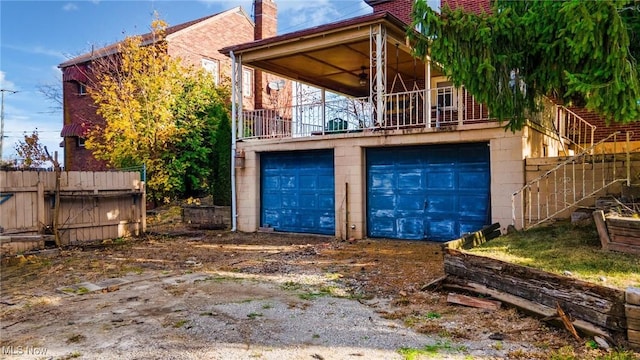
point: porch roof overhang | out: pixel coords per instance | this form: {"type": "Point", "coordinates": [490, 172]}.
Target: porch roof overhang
{"type": "Point", "coordinates": [333, 56]}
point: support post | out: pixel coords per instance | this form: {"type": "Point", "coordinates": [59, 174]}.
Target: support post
{"type": "Point", "coordinates": [378, 67]}
{"type": "Point", "coordinates": [236, 86]}
{"type": "Point", "coordinates": [427, 95]}
{"type": "Point", "coordinates": [323, 100]}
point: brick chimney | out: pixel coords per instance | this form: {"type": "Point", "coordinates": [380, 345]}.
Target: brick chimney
{"type": "Point", "coordinates": [266, 19]}
{"type": "Point", "coordinates": [474, 6]}
{"type": "Point", "coordinates": [266, 26]}
{"type": "Point", "coordinates": [399, 8]}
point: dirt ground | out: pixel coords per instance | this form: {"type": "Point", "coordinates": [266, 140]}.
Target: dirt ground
{"type": "Point", "coordinates": [122, 298]}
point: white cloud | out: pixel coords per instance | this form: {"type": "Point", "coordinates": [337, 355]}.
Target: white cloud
{"type": "Point", "coordinates": [4, 83]}
{"type": "Point", "coordinates": [295, 15]}
{"type": "Point", "coordinates": [37, 50]}
{"type": "Point", "coordinates": [56, 72]}
{"type": "Point", "coordinates": [70, 7]}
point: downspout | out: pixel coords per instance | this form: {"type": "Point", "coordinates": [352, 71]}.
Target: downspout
{"type": "Point", "coordinates": [234, 119]}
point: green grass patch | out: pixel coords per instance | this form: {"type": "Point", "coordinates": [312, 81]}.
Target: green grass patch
{"type": "Point", "coordinates": [313, 294]}
{"type": "Point", "coordinates": [180, 323]}
{"type": "Point", "coordinates": [254, 315]}
{"type": "Point", "coordinates": [568, 353]}
{"type": "Point", "coordinates": [291, 286]}
{"type": "Point", "coordinates": [564, 247]}
{"type": "Point", "coordinates": [430, 350]}
{"type": "Point", "coordinates": [432, 315]}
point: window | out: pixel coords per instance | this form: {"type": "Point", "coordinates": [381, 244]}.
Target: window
{"type": "Point", "coordinates": [80, 142]}
{"type": "Point", "coordinates": [82, 89]}
{"type": "Point", "coordinates": [212, 67]}
{"type": "Point", "coordinates": [446, 95]}
{"type": "Point", "coordinates": [247, 87]}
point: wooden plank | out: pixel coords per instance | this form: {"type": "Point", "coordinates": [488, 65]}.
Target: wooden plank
{"type": "Point", "coordinates": [474, 261]}
{"type": "Point", "coordinates": [528, 306]}
{"type": "Point", "coordinates": [599, 305]}
{"type": "Point", "coordinates": [17, 180]}
{"type": "Point", "coordinates": [476, 238]}
{"type": "Point", "coordinates": [30, 201]}
{"type": "Point", "coordinates": [630, 249]}
{"type": "Point", "coordinates": [633, 336]}
{"type": "Point", "coordinates": [29, 209]}
{"type": "Point", "coordinates": [624, 222]}
{"type": "Point", "coordinates": [601, 226]}
{"type": "Point", "coordinates": [632, 295]}
{"type": "Point", "coordinates": [632, 311]}
{"type": "Point", "coordinates": [633, 240]}
{"type": "Point", "coordinates": [473, 302]}
{"type": "Point", "coordinates": [73, 236]}
{"type": "Point", "coordinates": [64, 180]}
{"type": "Point", "coordinates": [581, 305]}
{"type": "Point", "coordinates": [14, 179]}
{"type": "Point", "coordinates": [41, 205]}
{"type": "Point", "coordinates": [623, 231]}
{"type": "Point", "coordinates": [633, 324]}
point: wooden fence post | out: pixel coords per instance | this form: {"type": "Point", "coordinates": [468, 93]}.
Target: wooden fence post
{"type": "Point", "coordinates": [143, 206]}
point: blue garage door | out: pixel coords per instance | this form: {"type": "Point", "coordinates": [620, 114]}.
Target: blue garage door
{"type": "Point", "coordinates": [298, 191]}
{"type": "Point", "coordinates": [434, 193]}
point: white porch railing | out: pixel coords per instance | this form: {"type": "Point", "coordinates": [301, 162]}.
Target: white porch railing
{"type": "Point", "coordinates": [574, 129]}
{"type": "Point", "coordinates": [449, 106]}
{"type": "Point", "coordinates": [574, 133]}
{"type": "Point", "coordinates": [569, 183]}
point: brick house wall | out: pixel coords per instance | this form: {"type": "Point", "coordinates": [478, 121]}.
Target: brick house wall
{"type": "Point", "coordinates": [474, 6]}
{"type": "Point", "coordinates": [202, 41]}
{"type": "Point", "coordinates": [399, 8]}
{"type": "Point", "coordinates": [78, 109]}
{"type": "Point", "coordinates": [603, 130]}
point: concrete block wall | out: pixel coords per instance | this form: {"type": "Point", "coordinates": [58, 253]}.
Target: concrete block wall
{"type": "Point", "coordinates": [506, 154]}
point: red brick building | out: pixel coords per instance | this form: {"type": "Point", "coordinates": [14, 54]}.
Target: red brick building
{"type": "Point", "coordinates": [196, 42]}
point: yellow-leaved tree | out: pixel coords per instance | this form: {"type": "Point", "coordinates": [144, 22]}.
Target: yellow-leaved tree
{"type": "Point", "coordinates": [160, 114]}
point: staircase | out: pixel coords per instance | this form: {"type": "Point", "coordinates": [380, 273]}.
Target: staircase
{"type": "Point", "coordinates": [572, 132]}
{"type": "Point", "coordinates": [570, 183]}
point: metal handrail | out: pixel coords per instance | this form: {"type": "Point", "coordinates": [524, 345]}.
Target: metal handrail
{"type": "Point", "coordinates": [550, 190]}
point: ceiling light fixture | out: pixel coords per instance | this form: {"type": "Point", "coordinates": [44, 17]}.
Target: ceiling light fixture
{"type": "Point", "coordinates": [363, 77]}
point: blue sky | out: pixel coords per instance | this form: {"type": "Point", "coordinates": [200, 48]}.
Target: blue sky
{"type": "Point", "coordinates": [36, 36]}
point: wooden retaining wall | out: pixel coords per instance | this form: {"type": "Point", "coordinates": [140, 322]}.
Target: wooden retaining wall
{"type": "Point", "coordinates": [618, 233]}
{"type": "Point", "coordinates": [595, 309]}
{"type": "Point", "coordinates": [93, 206]}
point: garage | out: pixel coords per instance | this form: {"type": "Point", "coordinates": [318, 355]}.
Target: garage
{"type": "Point", "coordinates": [298, 191]}
{"type": "Point", "coordinates": [436, 192]}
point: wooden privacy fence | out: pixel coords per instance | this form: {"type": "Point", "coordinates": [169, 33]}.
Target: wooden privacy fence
{"type": "Point", "coordinates": [93, 206]}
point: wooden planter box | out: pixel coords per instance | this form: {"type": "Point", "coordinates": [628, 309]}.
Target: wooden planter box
{"type": "Point", "coordinates": [618, 233]}
{"type": "Point", "coordinates": [207, 217]}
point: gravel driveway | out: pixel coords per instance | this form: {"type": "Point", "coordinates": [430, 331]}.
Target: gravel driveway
{"type": "Point", "coordinates": [208, 295]}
